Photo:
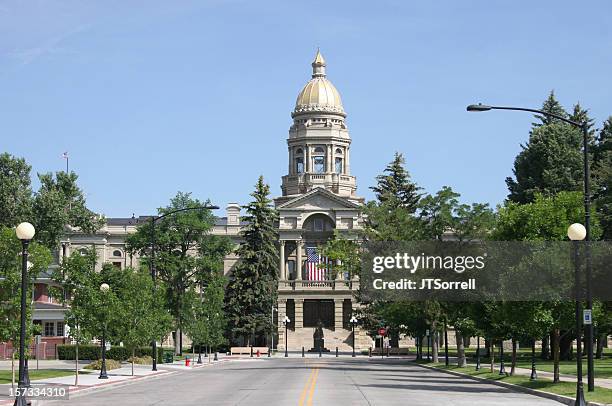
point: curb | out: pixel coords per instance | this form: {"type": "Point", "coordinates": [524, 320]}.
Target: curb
{"type": "Point", "coordinates": [84, 389]}
{"type": "Point", "coordinates": [559, 398]}
{"type": "Point", "coordinates": [91, 388]}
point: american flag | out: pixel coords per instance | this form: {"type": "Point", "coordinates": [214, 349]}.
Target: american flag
{"type": "Point", "coordinates": [314, 261]}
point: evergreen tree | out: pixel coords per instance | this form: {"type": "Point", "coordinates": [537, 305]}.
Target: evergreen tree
{"type": "Point", "coordinates": [550, 105]}
{"type": "Point", "coordinates": [396, 187]}
{"type": "Point", "coordinates": [251, 291]}
{"type": "Point", "coordinates": [552, 159]}
{"type": "Point", "coordinates": [602, 177]}
{"type": "Point", "coordinates": [581, 115]}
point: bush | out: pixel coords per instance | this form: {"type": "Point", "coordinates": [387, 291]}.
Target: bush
{"type": "Point", "coordinates": [146, 360]}
{"type": "Point", "coordinates": [90, 352]}
{"type": "Point", "coordinates": [94, 352]}
{"type": "Point", "coordinates": [110, 364]}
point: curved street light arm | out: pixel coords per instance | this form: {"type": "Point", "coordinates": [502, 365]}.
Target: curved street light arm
{"type": "Point", "coordinates": [545, 113]}
{"type": "Point", "coordinates": [484, 107]}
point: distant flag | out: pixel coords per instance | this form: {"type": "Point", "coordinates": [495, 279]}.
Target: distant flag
{"type": "Point", "coordinates": [317, 265]}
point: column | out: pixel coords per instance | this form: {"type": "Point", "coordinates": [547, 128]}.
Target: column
{"type": "Point", "coordinates": [299, 313]}
{"type": "Point", "coordinates": [328, 158]}
{"type": "Point", "coordinates": [307, 157]}
{"type": "Point", "coordinates": [282, 312]}
{"type": "Point", "coordinates": [346, 161]}
{"type": "Point", "coordinates": [281, 261]}
{"type": "Point", "coordinates": [298, 248]}
{"type": "Point", "coordinates": [338, 306]}
{"type": "Point", "coordinates": [290, 172]}
{"type": "Point", "coordinates": [339, 274]}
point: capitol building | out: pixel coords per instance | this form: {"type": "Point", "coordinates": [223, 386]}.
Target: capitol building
{"type": "Point", "coordinates": [318, 197]}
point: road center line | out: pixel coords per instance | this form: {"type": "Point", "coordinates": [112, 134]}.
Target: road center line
{"type": "Point", "coordinates": [305, 390]}
{"type": "Point", "coordinates": [312, 386]}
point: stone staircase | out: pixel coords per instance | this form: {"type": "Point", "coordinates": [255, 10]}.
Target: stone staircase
{"type": "Point", "coordinates": [339, 337]}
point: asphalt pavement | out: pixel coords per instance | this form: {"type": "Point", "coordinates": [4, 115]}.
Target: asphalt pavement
{"type": "Point", "coordinates": [307, 381]}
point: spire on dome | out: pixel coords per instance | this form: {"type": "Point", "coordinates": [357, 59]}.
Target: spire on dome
{"type": "Point", "coordinates": [318, 65]}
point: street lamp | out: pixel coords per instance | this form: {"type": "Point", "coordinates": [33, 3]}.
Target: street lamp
{"type": "Point", "coordinates": [154, 219]}
{"type": "Point", "coordinates": [25, 232]}
{"type": "Point", "coordinates": [286, 322]}
{"type": "Point", "coordinates": [353, 322]}
{"type": "Point", "coordinates": [427, 334]}
{"type": "Point", "coordinates": [587, 219]}
{"type": "Point", "coordinates": [104, 288]}
{"type": "Point", "coordinates": [577, 232]}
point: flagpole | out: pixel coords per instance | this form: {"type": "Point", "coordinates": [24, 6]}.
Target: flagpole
{"type": "Point", "coordinates": [65, 156]}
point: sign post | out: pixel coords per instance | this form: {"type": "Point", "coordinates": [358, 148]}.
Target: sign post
{"type": "Point", "coordinates": [37, 340]}
{"type": "Point", "coordinates": [587, 317]}
{"type": "Point", "coordinates": [382, 332]}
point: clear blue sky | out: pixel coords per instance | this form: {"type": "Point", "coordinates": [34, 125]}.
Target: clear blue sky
{"type": "Point", "coordinates": [152, 97]}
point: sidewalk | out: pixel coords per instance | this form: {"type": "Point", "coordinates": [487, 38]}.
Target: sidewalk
{"type": "Point", "coordinates": [601, 382]}
{"type": "Point", "coordinates": [120, 376]}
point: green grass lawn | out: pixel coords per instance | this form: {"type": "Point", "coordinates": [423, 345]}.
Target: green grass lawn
{"type": "Point", "coordinates": [603, 367]}
{"type": "Point", "coordinates": [5, 376]}
{"type": "Point", "coordinates": [601, 395]}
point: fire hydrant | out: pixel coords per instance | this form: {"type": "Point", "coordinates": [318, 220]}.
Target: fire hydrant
{"type": "Point", "coordinates": [257, 353]}
{"type": "Point", "coordinates": [187, 361]}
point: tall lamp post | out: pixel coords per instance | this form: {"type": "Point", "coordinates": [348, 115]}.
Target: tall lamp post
{"type": "Point", "coordinates": [154, 220]}
{"type": "Point", "coordinates": [25, 232]}
{"type": "Point", "coordinates": [577, 232]}
{"type": "Point", "coordinates": [104, 288]}
{"type": "Point", "coordinates": [587, 219]}
{"type": "Point", "coordinates": [353, 322]}
{"type": "Point", "coordinates": [286, 322]}
{"type": "Point", "coordinates": [274, 309]}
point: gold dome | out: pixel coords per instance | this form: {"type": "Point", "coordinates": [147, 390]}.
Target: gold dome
{"type": "Point", "coordinates": [319, 94]}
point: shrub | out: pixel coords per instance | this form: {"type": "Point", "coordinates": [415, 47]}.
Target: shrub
{"type": "Point", "coordinates": [90, 352]}
{"type": "Point", "coordinates": [110, 364]}
{"type": "Point", "coordinates": [146, 360]}
{"type": "Point", "coordinates": [94, 352]}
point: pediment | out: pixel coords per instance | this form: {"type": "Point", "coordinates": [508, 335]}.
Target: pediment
{"type": "Point", "coordinates": [319, 199]}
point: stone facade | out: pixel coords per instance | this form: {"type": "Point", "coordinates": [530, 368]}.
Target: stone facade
{"type": "Point", "coordinates": [318, 199]}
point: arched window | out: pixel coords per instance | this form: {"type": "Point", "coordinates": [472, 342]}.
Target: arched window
{"type": "Point", "coordinates": [318, 223]}
{"type": "Point", "coordinates": [117, 253]}
{"type": "Point", "coordinates": [318, 160]}
{"type": "Point", "coordinates": [339, 151]}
